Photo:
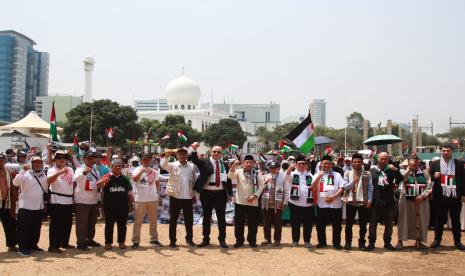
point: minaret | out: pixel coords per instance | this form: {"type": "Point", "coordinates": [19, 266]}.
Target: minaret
{"type": "Point", "coordinates": [231, 109]}
{"type": "Point", "coordinates": [89, 62]}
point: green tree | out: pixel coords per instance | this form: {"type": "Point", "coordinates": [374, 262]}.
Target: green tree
{"type": "Point", "coordinates": [106, 114]}
{"type": "Point", "coordinates": [171, 125]}
{"type": "Point", "coordinates": [224, 132]}
{"type": "Point", "coordinates": [355, 121]}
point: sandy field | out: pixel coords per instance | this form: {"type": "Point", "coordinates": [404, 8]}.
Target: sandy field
{"type": "Point", "coordinates": [271, 260]}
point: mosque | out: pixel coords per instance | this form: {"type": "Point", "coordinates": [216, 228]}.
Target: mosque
{"type": "Point", "coordinates": [183, 98]}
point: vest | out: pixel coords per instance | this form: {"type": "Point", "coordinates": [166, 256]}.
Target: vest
{"type": "Point", "coordinates": [358, 195]}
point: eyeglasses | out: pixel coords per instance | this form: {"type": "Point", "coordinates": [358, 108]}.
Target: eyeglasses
{"type": "Point", "coordinates": [216, 151]}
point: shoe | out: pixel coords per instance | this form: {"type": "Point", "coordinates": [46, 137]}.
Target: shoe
{"type": "Point", "coordinates": [25, 252]}
{"type": "Point", "coordinates": [277, 243]}
{"type": "Point", "coordinates": [121, 245]}
{"type": "Point", "coordinates": [83, 247]}
{"type": "Point", "coordinates": [295, 244]}
{"type": "Point", "coordinates": [321, 245]}
{"type": "Point", "coordinates": [419, 245]}
{"type": "Point", "coordinates": [13, 249]}
{"type": "Point", "coordinates": [204, 243]}
{"type": "Point", "coordinates": [37, 249]}
{"type": "Point", "coordinates": [435, 244]}
{"type": "Point", "coordinates": [266, 243]}
{"type": "Point", "coordinates": [55, 250]}
{"type": "Point", "coordinates": [223, 244]}
{"type": "Point", "coordinates": [156, 243]}
{"type": "Point", "coordinates": [348, 246]}
{"type": "Point", "coordinates": [308, 245]}
{"type": "Point", "coordinates": [190, 243]}
{"type": "Point", "coordinates": [399, 245]}
{"type": "Point", "coordinates": [362, 246]}
{"type": "Point", "coordinates": [135, 245]}
{"type": "Point", "coordinates": [337, 246]}
{"type": "Point", "coordinates": [68, 246]}
{"type": "Point", "coordinates": [370, 247]}
{"type": "Point", "coordinates": [238, 244]}
{"type": "Point", "coordinates": [252, 244]}
{"type": "Point", "coordinates": [173, 245]}
{"type": "Point", "coordinates": [93, 243]}
{"type": "Point", "coordinates": [459, 246]}
{"type": "Point", "coordinates": [108, 246]}
{"type": "Point", "coordinates": [389, 246]}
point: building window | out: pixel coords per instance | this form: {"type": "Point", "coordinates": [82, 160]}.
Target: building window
{"type": "Point", "coordinates": [267, 116]}
{"type": "Point", "coordinates": [193, 107]}
{"type": "Point", "coordinates": [189, 107]}
{"type": "Point", "coordinates": [189, 123]}
{"type": "Point", "coordinates": [175, 106]}
{"type": "Point", "coordinates": [203, 126]}
{"type": "Point", "coordinates": [182, 107]}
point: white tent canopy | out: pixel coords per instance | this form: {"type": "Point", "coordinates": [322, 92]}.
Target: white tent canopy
{"type": "Point", "coordinates": [32, 123]}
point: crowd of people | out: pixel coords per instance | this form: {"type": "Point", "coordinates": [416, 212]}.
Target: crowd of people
{"type": "Point", "coordinates": [58, 186]}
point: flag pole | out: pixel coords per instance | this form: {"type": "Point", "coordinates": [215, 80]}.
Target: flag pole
{"type": "Point", "coordinates": [91, 119]}
{"type": "Point", "coordinates": [345, 129]}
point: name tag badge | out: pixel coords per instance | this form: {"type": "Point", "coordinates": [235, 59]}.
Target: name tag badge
{"type": "Point", "coordinates": [382, 181]}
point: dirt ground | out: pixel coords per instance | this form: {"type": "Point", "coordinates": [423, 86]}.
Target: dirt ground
{"type": "Point", "coordinates": [271, 260]}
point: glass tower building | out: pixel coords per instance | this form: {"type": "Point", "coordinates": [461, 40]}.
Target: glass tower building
{"type": "Point", "coordinates": [23, 75]}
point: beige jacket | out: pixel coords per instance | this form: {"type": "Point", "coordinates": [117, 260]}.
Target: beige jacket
{"type": "Point", "coordinates": [180, 176]}
{"type": "Point", "coordinates": [244, 187]}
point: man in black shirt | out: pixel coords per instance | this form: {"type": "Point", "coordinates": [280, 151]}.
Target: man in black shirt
{"type": "Point", "coordinates": [117, 197]}
{"type": "Point", "coordinates": [386, 178]}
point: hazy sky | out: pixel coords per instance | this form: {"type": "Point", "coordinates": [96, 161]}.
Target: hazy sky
{"type": "Point", "coordinates": [391, 59]}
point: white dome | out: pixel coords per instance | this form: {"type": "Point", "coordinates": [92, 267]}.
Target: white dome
{"type": "Point", "coordinates": [182, 91]}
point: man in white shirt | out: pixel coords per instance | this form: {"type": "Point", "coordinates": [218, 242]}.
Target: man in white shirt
{"type": "Point", "coordinates": [60, 179]}
{"type": "Point", "coordinates": [33, 185]}
{"type": "Point", "coordinates": [330, 186]}
{"type": "Point", "coordinates": [299, 184]}
{"type": "Point", "coordinates": [146, 185]}
{"type": "Point", "coordinates": [180, 189]}
{"type": "Point", "coordinates": [85, 199]}
{"type": "Point", "coordinates": [249, 187]}
{"type": "Point", "coordinates": [8, 197]}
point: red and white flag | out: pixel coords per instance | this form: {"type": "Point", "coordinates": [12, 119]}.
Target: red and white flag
{"type": "Point", "coordinates": [166, 137]}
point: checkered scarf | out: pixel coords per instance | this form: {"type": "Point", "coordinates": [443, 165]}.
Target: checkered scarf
{"type": "Point", "coordinates": [447, 168]}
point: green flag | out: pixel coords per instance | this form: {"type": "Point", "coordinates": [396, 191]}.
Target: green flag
{"type": "Point", "coordinates": [53, 125]}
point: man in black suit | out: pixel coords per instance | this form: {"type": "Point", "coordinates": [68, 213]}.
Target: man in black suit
{"type": "Point", "coordinates": [215, 191]}
{"type": "Point", "coordinates": [448, 195]}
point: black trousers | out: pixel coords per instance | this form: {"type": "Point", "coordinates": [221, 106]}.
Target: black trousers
{"type": "Point", "coordinates": [28, 228]}
{"type": "Point", "coordinates": [61, 220]}
{"type": "Point", "coordinates": [176, 205]}
{"type": "Point", "coordinates": [387, 214]}
{"type": "Point", "coordinates": [118, 216]}
{"type": "Point", "coordinates": [214, 200]}
{"type": "Point", "coordinates": [443, 206]}
{"type": "Point", "coordinates": [272, 217]}
{"type": "Point", "coordinates": [363, 218]}
{"type": "Point", "coordinates": [333, 216]}
{"type": "Point", "coordinates": [9, 226]}
{"type": "Point", "coordinates": [241, 213]}
{"type": "Point", "coordinates": [301, 215]}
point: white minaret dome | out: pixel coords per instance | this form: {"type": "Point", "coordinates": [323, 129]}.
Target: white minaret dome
{"type": "Point", "coordinates": [182, 94]}
{"type": "Point", "coordinates": [89, 62]}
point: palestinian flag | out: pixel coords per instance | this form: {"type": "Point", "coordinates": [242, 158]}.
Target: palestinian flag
{"type": "Point", "coordinates": [302, 136]}
{"type": "Point", "coordinates": [262, 158]}
{"type": "Point", "coordinates": [166, 137]}
{"type": "Point", "coordinates": [53, 125]}
{"type": "Point", "coordinates": [328, 151]}
{"type": "Point", "coordinates": [76, 145]}
{"type": "Point", "coordinates": [233, 146]}
{"type": "Point", "coordinates": [285, 148]}
{"type": "Point", "coordinates": [109, 132]}
{"type": "Point", "coordinates": [181, 136]}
